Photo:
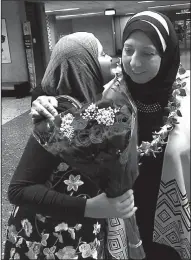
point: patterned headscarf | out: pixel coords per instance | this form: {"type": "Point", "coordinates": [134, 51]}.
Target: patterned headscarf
{"type": "Point", "coordinates": [74, 68]}
{"type": "Point", "coordinates": [152, 97]}
{"type": "Point", "coordinates": [161, 32]}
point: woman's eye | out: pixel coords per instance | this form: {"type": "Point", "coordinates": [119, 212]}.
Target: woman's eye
{"type": "Point", "coordinates": [148, 53]}
{"type": "Point", "coordinates": [128, 51]}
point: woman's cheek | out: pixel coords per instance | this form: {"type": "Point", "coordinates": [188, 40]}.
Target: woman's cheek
{"type": "Point", "coordinates": [156, 62]}
{"type": "Point", "coordinates": [126, 64]}
{"type": "Point", "coordinates": [155, 66]}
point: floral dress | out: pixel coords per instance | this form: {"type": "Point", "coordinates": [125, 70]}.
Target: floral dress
{"type": "Point", "coordinates": [34, 236]}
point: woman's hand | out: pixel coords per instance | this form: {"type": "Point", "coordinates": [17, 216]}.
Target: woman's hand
{"type": "Point", "coordinates": [44, 106]}
{"type": "Point", "coordinates": [103, 207]}
{"type": "Point", "coordinates": [108, 86]}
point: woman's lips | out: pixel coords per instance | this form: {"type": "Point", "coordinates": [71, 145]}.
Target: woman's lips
{"type": "Point", "coordinates": [138, 73]}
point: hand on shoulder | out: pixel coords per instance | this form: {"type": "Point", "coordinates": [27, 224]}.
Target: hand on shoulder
{"type": "Point", "coordinates": [44, 107]}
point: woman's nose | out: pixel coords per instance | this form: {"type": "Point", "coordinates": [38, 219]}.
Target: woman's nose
{"type": "Point", "coordinates": [135, 61]}
{"type": "Point", "coordinates": [108, 57]}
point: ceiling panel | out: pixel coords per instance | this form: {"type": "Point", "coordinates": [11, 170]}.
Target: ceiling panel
{"type": "Point", "coordinates": [122, 7]}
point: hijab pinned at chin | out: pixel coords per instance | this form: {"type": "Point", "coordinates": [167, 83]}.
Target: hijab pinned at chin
{"type": "Point", "coordinates": [74, 68]}
{"type": "Point", "coordinates": [161, 32]}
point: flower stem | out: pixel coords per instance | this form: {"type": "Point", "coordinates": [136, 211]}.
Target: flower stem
{"type": "Point", "coordinates": [19, 231]}
{"type": "Point", "coordinates": [136, 250]}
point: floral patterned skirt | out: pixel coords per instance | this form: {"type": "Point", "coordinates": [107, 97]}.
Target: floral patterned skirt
{"type": "Point", "coordinates": [34, 236]}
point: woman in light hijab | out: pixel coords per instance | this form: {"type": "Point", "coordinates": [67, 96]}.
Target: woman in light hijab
{"type": "Point", "coordinates": [150, 63]}
{"type": "Point", "coordinates": [58, 213]}
{"type": "Point", "coordinates": [75, 69]}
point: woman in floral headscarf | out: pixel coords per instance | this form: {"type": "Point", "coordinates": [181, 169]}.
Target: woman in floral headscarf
{"type": "Point", "coordinates": [58, 213]}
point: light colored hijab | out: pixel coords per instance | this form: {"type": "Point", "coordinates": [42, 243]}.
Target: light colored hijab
{"type": "Point", "coordinates": [74, 68]}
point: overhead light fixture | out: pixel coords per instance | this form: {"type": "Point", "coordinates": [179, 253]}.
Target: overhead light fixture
{"type": "Point", "coordinates": [62, 10]}
{"type": "Point", "coordinates": [184, 13]}
{"type": "Point", "coordinates": [159, 6]}
{"type": "Point", "coordinates": [59, 17]}
{"type": "Point", "coordinates": [145, 2]}
{"type": "Point", "coordinates": [110, 12]}
{"type": "Point", "coordinates": [168, 5]}
{"type": "Point", "coordinates": [180, 4]}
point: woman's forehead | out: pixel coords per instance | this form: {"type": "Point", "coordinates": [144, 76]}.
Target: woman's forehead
{"type": "Point", "coordinates": [139, 38]}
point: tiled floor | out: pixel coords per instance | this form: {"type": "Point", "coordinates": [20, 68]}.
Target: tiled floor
{"type": "Point", "coordinates": [12, 107]}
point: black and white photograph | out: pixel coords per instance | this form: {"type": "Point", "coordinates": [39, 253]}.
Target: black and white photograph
{"type": "Point", "coordinates": [95, 135]}
{"type": "Point", "coordinates": [5, 51]}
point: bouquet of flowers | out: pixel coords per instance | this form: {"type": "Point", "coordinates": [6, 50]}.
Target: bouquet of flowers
{"type": "Point", "coordinates": [98, 140]}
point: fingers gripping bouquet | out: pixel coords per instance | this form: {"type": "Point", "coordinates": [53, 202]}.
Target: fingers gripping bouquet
{"type": "Point", "coordinates": [97, 139]}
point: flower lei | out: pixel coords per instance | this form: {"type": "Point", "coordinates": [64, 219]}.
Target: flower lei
{"type": "Point", "coordinates": [155, 146]}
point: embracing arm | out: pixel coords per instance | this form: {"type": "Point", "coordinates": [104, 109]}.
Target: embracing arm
{"type": "Point", "coordinates": [28, 188]}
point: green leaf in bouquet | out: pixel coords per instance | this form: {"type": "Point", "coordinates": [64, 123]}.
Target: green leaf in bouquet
{"type": "Point", "coordinates": [181, 70]}
{"type": "Point", "coordinates": [176, 85]}
{"type": "Point", "coordinates": [166, 111]}
{"type": "Point", "coordinates": [97, 134]}
{"type": "Point", "coordinates": [125, 110]}
{"type": "Point", "coordinates": [118, 136]}
{"type": "Point", "coordinates": [178, 80]}
{"type": "Point", "coordinates": [182, 92]}
{"type": "Point", "coordinates": [179, 113]}
{"type": "Point", "coordinates": [183, 84]}
{"type": "Point", "coordinates": [117, 129]}
{"type": "Point", "coordinates": [81, 138]}
{"type": "Point", "coordinates": [79, 123]}
{"type": "Point", "coordinates": [62, 166]}
{"type": "Point", "coordinates": [123, 118]}
{"type": "Point", "coordinates": [172, 121]}
{"type": "Point", "coordinates": [57, 120]}
{"type": "Point", "coordinates": [105, 103]}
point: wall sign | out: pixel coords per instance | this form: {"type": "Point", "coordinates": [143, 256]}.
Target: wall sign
{"type": "Point", "coordinates": [5, 51]}
{"type": "Point", "coordinates": [29, 53]}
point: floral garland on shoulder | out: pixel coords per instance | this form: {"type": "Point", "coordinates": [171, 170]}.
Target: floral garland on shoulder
{"type": "Point", "coordinates": [173, 109]}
